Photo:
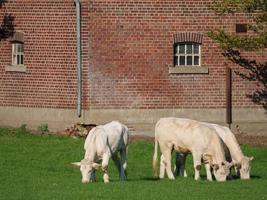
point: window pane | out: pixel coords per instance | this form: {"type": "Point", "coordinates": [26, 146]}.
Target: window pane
{"type": "Point", "coordinates": [182, 60]}
{"type": "Point", "coordinates": [22, 48]}
{"type": "Point", "coordinates": [189, 49]}
{"type": "Point", "coordinates": [196, 60]}
{"type": "Point", "coordinates": [196, 49]}
{"type": "Point", "coordinates": [18, 60]}
{"type": "Point", "coordinates": [19, 47]}
{"type": "Point", "coordinates": [176, 50]}
{"type": "Point", "coordinates": [21, 59]}
{"type": "Point", "coordinates": [182, 48]}
{"type": "Point", "coordinates": [189, 60]}
{"type": "Point", "coordinates": [14, 62]}
{"type": "Point", "coordinates": [15, 48]}
{"type": "Point", "coordinates": [175, 60]}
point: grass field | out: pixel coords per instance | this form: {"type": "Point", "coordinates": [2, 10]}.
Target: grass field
{"type": "Point", "coordinates": [38, 167]}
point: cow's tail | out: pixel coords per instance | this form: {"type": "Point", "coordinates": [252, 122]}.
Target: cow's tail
{"type": "Point", "coordinates": [155, 159]}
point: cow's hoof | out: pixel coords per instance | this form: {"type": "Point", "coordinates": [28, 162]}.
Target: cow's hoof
{"type": "Point", "coordinates": [106, 178]}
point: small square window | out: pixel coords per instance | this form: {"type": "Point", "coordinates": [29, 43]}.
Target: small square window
{"type": "Point", "coordinates": [241, 28]}
{"type": "Point", "coordinates": [187, 54]}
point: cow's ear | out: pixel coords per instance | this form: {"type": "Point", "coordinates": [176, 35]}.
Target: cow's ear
{"type": "Point", "coordinates": [207, 157]}
{"type": "Point", "coordinates": [215, 166]}
{"type": "Point", "coordinates": [76, 164]}
{"type": "Point", "coordinates": [250, 158]}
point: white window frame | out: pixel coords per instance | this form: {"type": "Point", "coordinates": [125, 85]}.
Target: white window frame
{"type": "Point", "coordinates": [17, 54]}
{"type": "Point", "coordinates": [185, 54]}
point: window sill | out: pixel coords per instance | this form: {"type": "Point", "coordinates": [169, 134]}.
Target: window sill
{"type": "Point", "coordinates": [188, 70]}
{"type": "Point", "coordinates": [15, 68]}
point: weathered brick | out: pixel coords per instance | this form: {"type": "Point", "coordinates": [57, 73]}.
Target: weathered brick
{"type": "Point", "coordinates": [127, 48]}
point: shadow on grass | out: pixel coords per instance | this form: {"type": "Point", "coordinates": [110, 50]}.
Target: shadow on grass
{"type": "Point", "coordinates": [143, 179]}
{"type": "Point", "coordinates": [235, 177]}
{"type": "Point", "coordinates": [255, 177]}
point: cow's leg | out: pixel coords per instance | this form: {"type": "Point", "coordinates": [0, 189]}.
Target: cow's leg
{"type": "Point", "coordinates": [117, 162]}
{"type": "Point", "coordinates": [162, 167]}
{"type": "Point", "coordinates": [166, 152]}
{"type": "Point", "coordinates": [105, 160]}
{"type": "Point", "coordinates": [208, 171]}
{"type": "Point", "coordinates": [123, 154]}
{"type": "Point", "coordinates": [180, 165]}
{"type": "Point", "coordinates": [197, 164]}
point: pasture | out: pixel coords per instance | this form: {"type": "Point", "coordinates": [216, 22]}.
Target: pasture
{"type": "Point", "coordinates": [38, 167]}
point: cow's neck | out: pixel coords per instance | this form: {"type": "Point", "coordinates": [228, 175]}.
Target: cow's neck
{"type": "Point", "coordinates": [217, 149]}
{"type": "Point", "coordinates": [235, 150]}
{"type": "Point", "coordinates": [91, 155]}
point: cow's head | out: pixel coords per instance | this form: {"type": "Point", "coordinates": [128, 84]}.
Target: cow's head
{"type": "Point", "coordinates": [221, 170]}
{"type": "Point", "coordinates": [86, 168]}
{"type": "Point", "coordinates": [244, 167]}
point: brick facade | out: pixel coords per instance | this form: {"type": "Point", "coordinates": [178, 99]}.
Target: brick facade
{"type": "Point", "coordinates": [50, 55]}
{"type": "Point", "coordinates": [131, 49]}
{"type": "Point", "coordinates": [127, 50]}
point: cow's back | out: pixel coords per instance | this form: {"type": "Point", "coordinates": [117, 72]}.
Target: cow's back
{"type": "Point", "coordinates": [117, 134]}
{"type": "Point", "coordinates": [184, 133]}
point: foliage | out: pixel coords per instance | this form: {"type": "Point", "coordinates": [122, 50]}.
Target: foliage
{"type": "Point", "coordinates": [256, 72]}
{"type": "Point", "coordinates": [23, 127]}
{"type": "Point", "coordinates": [7, 27]}
{"type": "Point", "coordinates": [35, 167]}
{"type": "Point", "coordinates": [255, 9]}
{"type": "Point", "coordinates": [233, 44]}
{"type": "Point", "coordinates": [43, 128]}
{"type": "Point", "coordinates": [228, 41]}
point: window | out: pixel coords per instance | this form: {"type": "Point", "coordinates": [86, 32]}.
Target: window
{"type": "Point", "coordinates": [241, 28]}
{"type": "Point", "coordinates": [187, 54]}
{"type": "Point", "coordinates": [17, 54]}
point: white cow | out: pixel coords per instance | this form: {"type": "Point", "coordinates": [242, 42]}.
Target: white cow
{"type": "Point", "coordinates": [189, 136]}
{"type": "Point", "coordinates": [233, 153]}
{"type": "Point", "coordinates": [102, 143]}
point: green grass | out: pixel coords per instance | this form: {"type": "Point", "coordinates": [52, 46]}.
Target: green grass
{"type": "Point", "coordinates": [38, 167]}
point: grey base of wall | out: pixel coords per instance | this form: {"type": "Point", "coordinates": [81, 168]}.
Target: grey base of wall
{"type": "Point", "coordinates": [141, 122]}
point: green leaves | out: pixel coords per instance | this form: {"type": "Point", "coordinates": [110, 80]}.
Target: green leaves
{"type": "Point", "coordinates": [247, 43]}
{"type": "Point", "coordinates": [254, 41]}
{"type": "Point", "coordinates": [234, 6]}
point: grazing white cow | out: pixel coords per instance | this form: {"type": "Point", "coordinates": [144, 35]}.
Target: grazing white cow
{"type": "Point", "coordinates": [190, 136]}
{"type": "Point", "coordinates": [233, 153]}
{"type": "Point", "coordinates": [102, 143]}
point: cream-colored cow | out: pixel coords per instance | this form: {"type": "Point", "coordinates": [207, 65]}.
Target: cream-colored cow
{"type": "Point", "coordinates": [102, 143]}
{"type": "Point", "coordinates": [233, 153]}
{"type": "Point", "coordinates": [190, 136]}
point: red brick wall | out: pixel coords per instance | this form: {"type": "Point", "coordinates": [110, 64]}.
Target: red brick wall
{"type": "Point", "coordinates": [49, 29]}
{"type": "Point", "coordinates": [131, 47]}
{"type": "Point", "coordinates": [127, 49]}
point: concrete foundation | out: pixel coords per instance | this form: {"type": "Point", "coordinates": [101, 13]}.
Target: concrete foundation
{"type": "Point", "coordinates": [141, 122]}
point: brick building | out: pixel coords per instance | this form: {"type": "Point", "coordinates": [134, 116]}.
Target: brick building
{"type": "Point", "coordinates": [140, 60]}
